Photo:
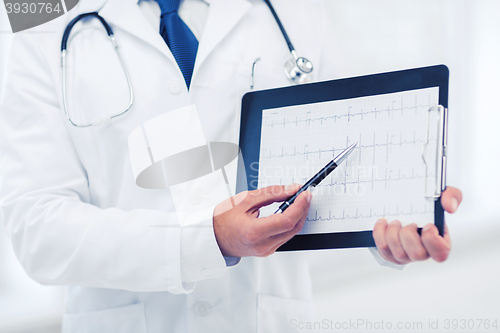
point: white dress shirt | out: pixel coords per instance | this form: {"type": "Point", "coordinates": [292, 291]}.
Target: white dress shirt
{"type": "Point", "coordinates": [192, 12]}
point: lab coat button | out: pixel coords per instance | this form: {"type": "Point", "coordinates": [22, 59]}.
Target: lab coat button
{"type": "Point", "coordinates": [206, 272]}
{"type": "Point", "coordinates": [175, 86]}
{"type": "Point", "coordinates": [202, 309]}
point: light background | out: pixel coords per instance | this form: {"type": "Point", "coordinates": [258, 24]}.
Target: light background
{"type": "Point", "coordinates": [375, 36]}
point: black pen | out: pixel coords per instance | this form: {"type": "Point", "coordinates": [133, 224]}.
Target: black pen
{"type": "Point", "coordinates": [318, 178]}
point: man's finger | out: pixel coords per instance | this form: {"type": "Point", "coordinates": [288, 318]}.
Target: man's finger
{"type": "Point", "coordinates": [270, 194]}
{"type": "Point", "coordinates": [412, 243]}
{"type": "Point", "coordinates": [379, 231]}
{"type": "Point", "coordinates": [438, 247]}
{"type": "Point", "coordinates": [230, 203]}
{"type": "Point", "coordinates": [279, 239]}
{"type": "Point", "coordinates": [451, 199]}
{"type": "Point", "coordinates": [279, 223]}
{"type": "Point", "coordinates": [263, 242]}
{"type": "Point", "coordinates": [274, 242]}
{"type": "Point", "coordinates": [394, 242]}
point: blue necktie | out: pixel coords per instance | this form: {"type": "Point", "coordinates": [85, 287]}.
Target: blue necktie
{"type": "Point", "coordinates": [179, 38]}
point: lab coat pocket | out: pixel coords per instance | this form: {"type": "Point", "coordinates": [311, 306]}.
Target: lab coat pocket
{"type": "Point", "coordinates": [126, 319]}
{"type": "Point", "coordinates": [282, 315]}
{"type": "Point", "coordinates": [262, 75]}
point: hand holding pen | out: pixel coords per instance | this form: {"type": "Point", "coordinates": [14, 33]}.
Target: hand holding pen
{"type": "Point", "coordinates": [318, 178]}
{"type": "Point", "coordinates": [239, 230]}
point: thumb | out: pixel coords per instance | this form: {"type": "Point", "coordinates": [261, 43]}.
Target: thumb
{"type": "Point", "coordinates": [451, 199]}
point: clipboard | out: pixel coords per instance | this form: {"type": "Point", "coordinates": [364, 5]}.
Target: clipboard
{"type": "Point", "coordinates": [255, 103]}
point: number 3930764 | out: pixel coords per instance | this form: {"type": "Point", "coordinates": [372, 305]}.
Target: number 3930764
{"type": "Point", "coordinates": [32, 8]}
{"type": "Point", "coordinates": [26, 14]}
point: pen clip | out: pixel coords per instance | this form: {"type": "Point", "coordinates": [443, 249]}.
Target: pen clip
{"type": "Point", "coordinates": [440, 158]}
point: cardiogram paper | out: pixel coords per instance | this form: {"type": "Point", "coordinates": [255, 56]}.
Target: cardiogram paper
{"type": "Point", "coordinates": [383, 177]}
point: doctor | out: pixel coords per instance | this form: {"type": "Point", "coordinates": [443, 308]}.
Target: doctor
{"type": "Point", "coordinates": [75, 214]}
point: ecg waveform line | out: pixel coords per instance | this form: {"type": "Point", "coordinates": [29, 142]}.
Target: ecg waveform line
{"type": "Point", "coordinates": [385, 179]}
{"type": "Point", "coordinates": [348, 115]}
{"type": "Point", "coordinates": [357, 216]}
{"type": "Point", "coordinates": [296, 152]}
{"type": "Point", "coordinates": [372, 181]}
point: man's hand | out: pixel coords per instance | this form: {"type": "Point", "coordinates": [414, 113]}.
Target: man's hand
{"type": "Point", "coordinates": [402, 245]}
{"type": "Point", "coordinates": [239, 231]}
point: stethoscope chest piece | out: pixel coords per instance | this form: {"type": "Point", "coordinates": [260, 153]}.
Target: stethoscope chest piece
{"type": "Point", "coordinates": [298, 70]}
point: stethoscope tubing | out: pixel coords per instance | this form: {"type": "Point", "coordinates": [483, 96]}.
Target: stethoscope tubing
{"type": "Point", "coordinates": [295, 74]}
{"type": "Point", "coordinates": [69, 27]}
{"type": "Point", "coordinates": [64, 44]}
{"type": "Point", "coordinates": [283, 31]}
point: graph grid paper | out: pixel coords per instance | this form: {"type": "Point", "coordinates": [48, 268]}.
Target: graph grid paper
{"type": "Point", "coordinates": [384, 176]}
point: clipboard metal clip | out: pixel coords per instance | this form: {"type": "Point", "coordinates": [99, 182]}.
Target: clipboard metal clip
{"type": "Point", "coordinates": [441, 129]}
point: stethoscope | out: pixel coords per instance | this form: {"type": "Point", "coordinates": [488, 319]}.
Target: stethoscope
{"type": "Point", "coordinates": [297, 69]}
{"type": "Point", "coordinates": [100, 120]}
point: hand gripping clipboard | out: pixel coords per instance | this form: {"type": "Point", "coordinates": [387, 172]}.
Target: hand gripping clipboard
{"type": "Point", "coordinates": [261, 105]}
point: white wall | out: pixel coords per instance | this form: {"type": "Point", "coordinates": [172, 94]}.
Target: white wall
{"type": "Point", "coordinates": [485, 87]}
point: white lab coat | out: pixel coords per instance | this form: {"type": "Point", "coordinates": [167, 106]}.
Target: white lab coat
{"type": "Point", "coordinates": [68, 196]}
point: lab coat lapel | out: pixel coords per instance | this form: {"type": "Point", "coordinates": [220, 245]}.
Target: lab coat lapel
{"type": "Point", "coordinates": [223, 15]}
{"type": "Point", "coordinates": [126, 15]}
